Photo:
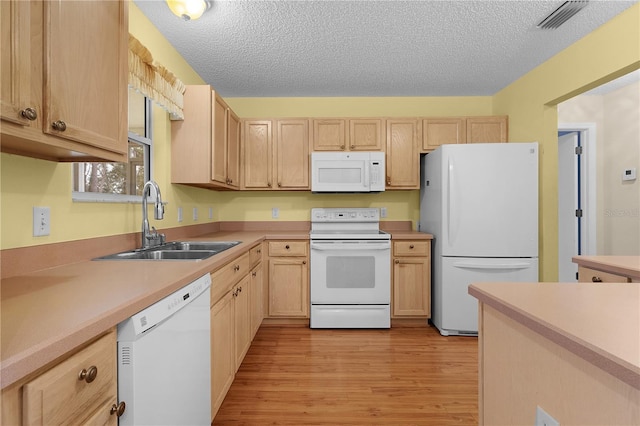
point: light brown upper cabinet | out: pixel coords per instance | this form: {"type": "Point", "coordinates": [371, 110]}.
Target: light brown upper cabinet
{"type": "Point", "coordinates": [275, 154]}
{"type": "Point", "coordinates": [403, 156]}
{"type": "Point", "coordinates": [64, 96]}
{"type": "Point", "coordinates": [329, 134]}
{"type": "Point", "coordinates": [205, 145]}
{"type": "Point", "coordinates": [440, 131]}
{"type": "Point", "coordinates": [487, 129]}
{"type": "Point", "coordinates": [257, 154]}
{"type": "Point", "coordinates": [355, 134]}
{"type": "Point", "coordinates": [453, 130]}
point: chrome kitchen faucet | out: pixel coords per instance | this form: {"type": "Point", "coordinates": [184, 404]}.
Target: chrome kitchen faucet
{"type": "Point", "coordinates": [151, 238]}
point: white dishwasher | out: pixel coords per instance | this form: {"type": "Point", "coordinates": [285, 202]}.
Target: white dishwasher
{"type": "Point", "coordinates": [164, 360]}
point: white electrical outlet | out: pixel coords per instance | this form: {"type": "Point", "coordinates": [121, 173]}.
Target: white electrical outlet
{"type": "Point", "coordinates": [195, 214]}
{"type": "Point", "coordinates": [544, 419]}
{"type": "Point", "coordinates": [275, 213]}
{"type": "Point", "coordinates": [179, 214]}
{"type": "Point", "coordinates": [210, 213]}
{"type": "Point", "coordinates": [41, 221]}
{"type": "Point", "coordinates": [383, 212]}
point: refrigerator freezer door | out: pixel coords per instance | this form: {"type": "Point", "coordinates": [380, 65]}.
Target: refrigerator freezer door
{"type": "Point", "coordinates": [490, 200]}
{"type": "Point", "coordinates": [455, 311]}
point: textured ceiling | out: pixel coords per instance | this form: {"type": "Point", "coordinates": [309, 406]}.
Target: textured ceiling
{"type": "Point", "coordinates": [371, 47]}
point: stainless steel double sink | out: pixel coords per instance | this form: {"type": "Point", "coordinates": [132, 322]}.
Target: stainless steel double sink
{"type": "Point", "coordinates": [176, 250]}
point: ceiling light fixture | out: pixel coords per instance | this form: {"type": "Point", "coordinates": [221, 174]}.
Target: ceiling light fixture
{"type": "Point", "coordinates": [188, 9]}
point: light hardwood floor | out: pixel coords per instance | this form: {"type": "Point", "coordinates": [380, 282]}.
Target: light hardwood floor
{"type": "Point", "coordinates": [401, 376]}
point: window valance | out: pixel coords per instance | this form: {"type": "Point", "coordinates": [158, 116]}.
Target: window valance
{"type": "Point", "coordinates": [155, 81]}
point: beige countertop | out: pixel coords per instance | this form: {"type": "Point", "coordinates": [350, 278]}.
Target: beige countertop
{"type": "Point", "coordinates": [600, 323]}
{"type": "Point", "coordinates": [46, 313]}
{"type": "Point", "coordinates": [628, 266]}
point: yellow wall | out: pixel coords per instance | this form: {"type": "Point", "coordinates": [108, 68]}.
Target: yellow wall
{"type": "Point", "coordinates": [607, 53]}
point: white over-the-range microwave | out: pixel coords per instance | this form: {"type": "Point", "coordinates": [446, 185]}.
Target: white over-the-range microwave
{"type": "Point", "coordinates": [347, 171]}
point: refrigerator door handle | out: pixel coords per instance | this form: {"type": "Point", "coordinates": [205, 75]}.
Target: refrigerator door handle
{"type": "Point", "coordinates": [492, 266]}
{"type": "Point", "coordinates": [452, 212]}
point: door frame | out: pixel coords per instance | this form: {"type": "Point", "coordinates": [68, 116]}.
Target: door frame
{"type": "Point", "coordinates": [588, 178]}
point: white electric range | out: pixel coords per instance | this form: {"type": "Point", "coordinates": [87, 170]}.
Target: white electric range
{"type": "Point", "coordinates": [350, 269]}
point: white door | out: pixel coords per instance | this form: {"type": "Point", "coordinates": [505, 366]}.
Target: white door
{"type": "Point", "coordinates": [490, 200]}
{"type": "Point", "coordinates": [459, 310]}
{"type": "Point", "coordinates": [568, 203]}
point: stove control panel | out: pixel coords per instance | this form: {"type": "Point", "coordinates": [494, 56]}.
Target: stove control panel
{"type": "Point", "coordinates": [345, 215]}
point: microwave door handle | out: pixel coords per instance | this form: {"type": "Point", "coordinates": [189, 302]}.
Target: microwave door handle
{"type": "Point", "coordinates": [366, 174]}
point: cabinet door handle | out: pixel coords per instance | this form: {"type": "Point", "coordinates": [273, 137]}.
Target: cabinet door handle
{"type": "Point", "coordinates": [88, 375]}
{"type": "Point", "coordinates": [269, 184]}
{"type": "Point", "coordinates": [29, 113]}
{"type": "Point", "coordinates": [118, 409]}
{"type": "Point", "coordinates": [279, 184]}
{"type": "Point", "coordinates": [287, 246]}
{"type": "Point", "coordinates": [236, 268]}
{"type": "Point", "coordinates": [353, 147]}
{"type": "Point", "coordinates": [59, 125]}
{"type": "Point", "coordinates": [411, 246]}
{"type": "Point", "coordinates": [259, 251]}
{"type": "Point", "coordinates": [396, 261]}
{"type": "Point", "coordinates": [254, 273]}
{"type": "Point", "coordinates": [342, 147]}
{"type": "Point", "coordinates": [304, 262]}
{"type": "Point", "coordinates": [596, 279]}
{"type": "Point", "coordinates": [388, 180]}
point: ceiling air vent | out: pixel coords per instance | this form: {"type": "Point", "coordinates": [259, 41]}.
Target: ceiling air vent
{"type": "Point", "coordinates": [562, 14]}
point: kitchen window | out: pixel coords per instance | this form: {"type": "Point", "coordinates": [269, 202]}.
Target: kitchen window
{"type": "Point", "coordinates": [120, 182]}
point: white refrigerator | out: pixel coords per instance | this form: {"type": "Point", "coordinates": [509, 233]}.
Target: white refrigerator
{"type": "Point", "coordinates": [480, 202]}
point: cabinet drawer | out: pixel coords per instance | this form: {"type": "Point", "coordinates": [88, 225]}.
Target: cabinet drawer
{"type": "Point", "coordinates": [588, 275]}
{"type": "Point", "coordinates": [411, 248]}
{"type": "Point", "coordinates": [288, 248]}
{"type": "Point", "coordinates": [60, 396]}
{"type": "Point", "coordinates": [255, 255]}
{"type": "Point", "coordinates": [226, 277]}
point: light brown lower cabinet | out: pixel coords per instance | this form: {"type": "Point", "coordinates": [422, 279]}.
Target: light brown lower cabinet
{"type": "Point", "coordinates": [257, 298]}
{"type": "Point", "coordinates": [242, 319]}
{"type": "Point", "coordinates": [289, 279]}
{"type": "Point", "coordinates": [411, 279]}
{"type": "Point", "coordinates": [81, 389]}
{"type": "Point", "coordinates": [235, 291]}
{"type": "Point", "coordinates": [222, 350]}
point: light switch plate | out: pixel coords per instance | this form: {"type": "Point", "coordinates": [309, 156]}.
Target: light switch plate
{"type": "Point", "coordinates": [275, 213]}
{"type": "Point", "coordinates": [195, 214]}
{"type": "Point", "coordinates": [179, 214]}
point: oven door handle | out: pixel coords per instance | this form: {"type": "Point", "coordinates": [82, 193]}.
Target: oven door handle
{"type": "Point", "coordinates": [349, 246]}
